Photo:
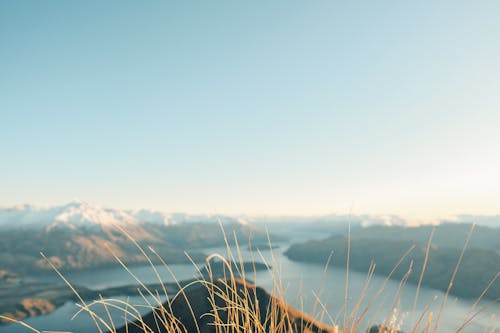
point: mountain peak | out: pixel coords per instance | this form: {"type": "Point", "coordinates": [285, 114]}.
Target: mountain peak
{"type": "Point", "coordinates": [76, 212]}
{"type": "Point", "coordinates": [83, 213]}
{"type": "Point", "coordinates": [80, 212]}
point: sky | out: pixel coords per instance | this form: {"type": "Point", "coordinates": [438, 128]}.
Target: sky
{"type": "Point", "coordinates": [252, 107]}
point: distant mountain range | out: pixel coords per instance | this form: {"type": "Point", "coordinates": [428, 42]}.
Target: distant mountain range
{"type": "Point", "coordinates": [80, 213]}
{"type": "Point", "coordinates": [83, 213]}
{"type": "Point", "coordinates": [80, 235]}
{"type": "Point", "coordinates": [367, 220]}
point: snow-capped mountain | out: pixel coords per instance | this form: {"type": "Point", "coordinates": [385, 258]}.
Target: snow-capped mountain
{"type": "Point", "coordinates": [77, 213]}
{"type": "Point", "coordinates": [204, 218]}
{"type": "Point", "coordinates": [80, 235]}
{"type": "Point", "coordinates": [80, 213]}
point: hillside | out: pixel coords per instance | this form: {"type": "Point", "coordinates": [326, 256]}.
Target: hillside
{"type": "Point", "coordinates": [80, 236]}
{"type": "Point", "coordinates": [386, 245]}
{"type": "Point", "coordinates": [236, 304]}
{"type": "Point", "coordinates": [446, 235]}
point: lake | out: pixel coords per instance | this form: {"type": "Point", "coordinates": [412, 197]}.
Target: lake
{"type": "Point", "coordinates": [300, 283]}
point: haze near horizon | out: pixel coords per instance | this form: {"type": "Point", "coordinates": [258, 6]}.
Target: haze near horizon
{"type": "Point", "coordinates": [282, 108]}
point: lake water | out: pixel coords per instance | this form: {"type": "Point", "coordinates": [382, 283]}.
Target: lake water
{"type": "Point", "coordinates": [300, 281]}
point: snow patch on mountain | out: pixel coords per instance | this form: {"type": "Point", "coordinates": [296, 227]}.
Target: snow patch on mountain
{"type": "Point", "coordinates": [82, 213]}
{"type": "Point", "coordinates": [152, 216]}
{"type": "Point", "coordinates": [203, 218]}
{"type": "Point", "coordinates": [77, 213]}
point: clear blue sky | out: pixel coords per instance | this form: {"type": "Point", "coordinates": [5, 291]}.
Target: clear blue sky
{"type": "Point", "coordinates": [256, 107]}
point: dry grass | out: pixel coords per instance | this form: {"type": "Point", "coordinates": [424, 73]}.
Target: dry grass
{"type": "Point", "coordinates": [240, 313]}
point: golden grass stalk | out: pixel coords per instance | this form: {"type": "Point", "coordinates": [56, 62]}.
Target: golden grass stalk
{"type": "Point", "coordinates": [450, 285]}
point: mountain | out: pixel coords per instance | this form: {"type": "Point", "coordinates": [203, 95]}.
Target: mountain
{"type": "Point", "coordinates": [368, 220]}
{"type": "Point", "coordinates": [386, 245]}
{"type": "Point", "coordinates": [80, 213]}
{"type": "Point", "coordinates": [79, 235]}
{"type": "Point", "coordinates": [77, 213]}
{"type": "Point", "coordinates": [450, 235]}
{"type": "Point", "coordinates": [484, 220]}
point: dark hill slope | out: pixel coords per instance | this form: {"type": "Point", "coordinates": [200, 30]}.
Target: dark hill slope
{"type": "Point", "coordinates": [446, 235]}
{"type": "Point", "coordinates": [203, 300]}
{"type": "Point", "coordinates": [478, 268]}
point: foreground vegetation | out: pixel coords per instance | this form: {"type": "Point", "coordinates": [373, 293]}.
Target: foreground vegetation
{"type": "Point", "coordinates": [227, 302]}
{"type": "Point", "coordinates": [22, 299]}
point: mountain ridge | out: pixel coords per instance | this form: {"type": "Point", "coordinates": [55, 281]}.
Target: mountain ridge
{"type": "Point", "coordinates": [82, 213]}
